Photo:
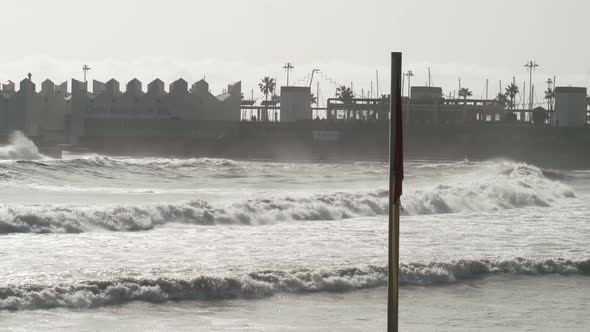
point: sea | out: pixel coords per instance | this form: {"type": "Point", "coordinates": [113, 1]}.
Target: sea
{"type": "Point", "coordinates": [114, 243]}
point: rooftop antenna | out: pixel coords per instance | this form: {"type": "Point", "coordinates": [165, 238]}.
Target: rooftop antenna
{"type": "Point", "coordinates": [85, 69]}
{"type": "Point", "coordinates": [531, 66]}
{"type": "Point", "coordinates": [288, 67]}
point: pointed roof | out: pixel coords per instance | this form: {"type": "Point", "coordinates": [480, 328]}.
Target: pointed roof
{"type": "Point", "coordinates": [180, 85]}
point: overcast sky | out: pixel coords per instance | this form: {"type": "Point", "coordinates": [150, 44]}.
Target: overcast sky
{"type": "Point", "coordinates": [231, 40]}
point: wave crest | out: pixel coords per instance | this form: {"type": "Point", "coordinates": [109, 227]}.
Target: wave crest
{"type": "Point", "coordinates": [513, 186]}
{"type": "Point", "coordinates": [334, 206]}
{"type": "Point", "coordinates": [490, 189]}
{"type": "Point", "coordinates": [267, 283]}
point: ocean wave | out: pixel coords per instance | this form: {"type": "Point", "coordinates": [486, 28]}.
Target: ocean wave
{"type": "Point", "coordinates": [262, 284]}
{"type": "Point", "coordinates": [19, 148]}
{"type": "Point", "coordinates": [517, 186]}
{"type": "Point", "coordinates": [504, 186]}
{"type": "Point", "coordinates": [52, 219]}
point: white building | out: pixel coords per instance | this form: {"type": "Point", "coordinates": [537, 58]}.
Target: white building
{"type": "Point", "coordinates": [295, 103]}
{"type": "Point", "coordinates": [570, 107]}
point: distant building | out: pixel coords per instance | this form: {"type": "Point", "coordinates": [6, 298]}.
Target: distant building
{"type": "Point", "coordinates": [427, 106]}
{"type": "Point", "coordinates": [295, 103]}
{"type": "Point", "coordinates": [55, 116]}
{"type": "Point", "coordinates": [570, 107]}
{"type": "Point", "coordinates": [35, 114]}
{"type": "Point", "coordinates": [93, 110]}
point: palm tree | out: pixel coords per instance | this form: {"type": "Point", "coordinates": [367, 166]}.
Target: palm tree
{"type": "Point", "coordinates": [502, 99]}
{"type": "Point", "coordinates": [345, 93]}
{"type": "Point", "coordinates": [511, 92]}
{"type": "Point", "coordinates": [549, 94]}
{"type": "Point", "coordinates": [465, 92]}
{"type": "Point", "coordinates": [267, 86]}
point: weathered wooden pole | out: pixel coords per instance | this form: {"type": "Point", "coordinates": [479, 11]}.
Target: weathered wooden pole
{"type": "Point", "coordinates": [395, 190]}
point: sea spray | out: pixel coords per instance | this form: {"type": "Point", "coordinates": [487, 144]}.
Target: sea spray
{"type": "Point", "coordinates": [19, 148]}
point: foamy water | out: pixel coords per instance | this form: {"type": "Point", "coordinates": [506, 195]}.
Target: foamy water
{"type": "Point", "coordinates": [89, 232]}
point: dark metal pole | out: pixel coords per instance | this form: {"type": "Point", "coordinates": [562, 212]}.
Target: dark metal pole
{"type": "Point", "coordinates": [395, 190]}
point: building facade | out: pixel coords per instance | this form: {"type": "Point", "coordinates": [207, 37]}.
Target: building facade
{"type": "Point", "coordinates": [54, 115]}
{"type": "Point", "coordinates": [570, 107]}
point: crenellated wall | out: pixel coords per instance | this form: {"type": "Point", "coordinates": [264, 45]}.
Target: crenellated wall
{"type": "Point", "coordinates": [53, 111]}
{"type": "Point", "coordinates": [197, 103]}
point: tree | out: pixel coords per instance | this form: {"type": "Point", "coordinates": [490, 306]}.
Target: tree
{"type": "Point", "coordinates": [511, 92]}
{"type": "Point", "coordinates": [267, 87]}
{"type": "Point", "coordinates": [344, 93]}
{"type": "Point", "coordinates": [502, 99]}
{"type": "Point", "coordinates": [465, 92]}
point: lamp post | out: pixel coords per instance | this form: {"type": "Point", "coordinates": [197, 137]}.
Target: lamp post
{"type": "Point", "coordinates": [531, 66]}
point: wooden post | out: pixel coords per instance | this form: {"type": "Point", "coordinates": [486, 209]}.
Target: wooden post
{"type": "Point", "coordinates": [395, 182]}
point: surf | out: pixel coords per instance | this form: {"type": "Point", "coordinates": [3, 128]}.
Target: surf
{"type": "Point", "coordinates": [266, 283]}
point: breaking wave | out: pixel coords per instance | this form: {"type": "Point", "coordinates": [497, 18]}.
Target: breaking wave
{"type": "Point", "coordinates": [53, 219]}
{"type": "Point", "coordinates": [493, 188]}
{"type": "Point", "coordinates": [517, 186]}
{"type": "Point", "coordinates": [19, 148]}
{"type": "Point", "coordinates": [267, 283]}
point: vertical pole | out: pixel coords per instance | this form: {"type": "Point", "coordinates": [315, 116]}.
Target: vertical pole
{"type": "Point", "coordinates": [377, 83]}
{"type": "Point", "coordinates": [403, 84]}
{"type": "Point", "coordinates": [554, 86]}
{"type": "Point", "coordinates": [410, 84]}
{"type": "Point", "coordinates": [288, 70]}
{"type": "Point", "coordinates": [395, 178]}
{"type": "Point", "coordinates": [317, 97]}
{"type": "Point", "coordinates": [524, 103]}
{"type": "Point", "coordinates": [531, 86]}
{"type": "Point", "coordinates": [487, 86]}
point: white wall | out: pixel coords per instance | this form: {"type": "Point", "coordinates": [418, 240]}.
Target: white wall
{"type": "Point", "coordinates": [570, 107]}
{"type": "Point", "coordinates": [295, 103]}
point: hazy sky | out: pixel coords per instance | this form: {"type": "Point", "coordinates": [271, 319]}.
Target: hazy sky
{"type": "Point", "coordinates": [231, 40]}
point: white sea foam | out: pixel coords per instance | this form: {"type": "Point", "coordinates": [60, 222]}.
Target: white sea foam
{"type": "Point", "coordinates": [267, 283]}
{"type": "Point", "coordinates": [53, 219]}
{"type": "Point", "coordinates": [499, 186]}
{"type": "Point", "coordinates": [19, 148]}
{"type": "Point", "coordinates": [511, 186]}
